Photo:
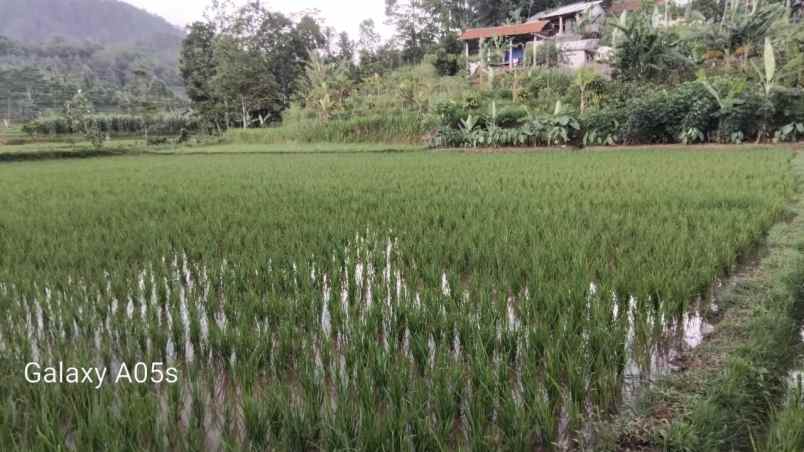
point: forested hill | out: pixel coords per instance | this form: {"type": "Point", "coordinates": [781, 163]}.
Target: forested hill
{"type": "Point", "coordinates": [49, 49]}
{"type": "Point", "coordinates": [102, 21]}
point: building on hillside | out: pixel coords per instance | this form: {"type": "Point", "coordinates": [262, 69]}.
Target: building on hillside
{"type": "Point", "coordinates": [574, 29]}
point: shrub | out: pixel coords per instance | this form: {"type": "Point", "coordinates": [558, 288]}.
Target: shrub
{"type": "Point", "coordinates": [472, 100]}
{"type": "Point", "coordinates": [663, 116]}
{"type": "Point", "coordinates": [547, 54]}
{"type": "Point", "coordinates": [115, 125]}
{"type": "Point", "coordinates": [543, 89]}
{"type": "Point", "coordinates": [544, 130]}
{"type": "Point", "coordinates": [450, 113]}
{"type": "Point", "coordinates": [511, 117]}
{"type": "Point", "coordinates": [555, 80]}
{"type": "Point", "coordinates": [604, 127]}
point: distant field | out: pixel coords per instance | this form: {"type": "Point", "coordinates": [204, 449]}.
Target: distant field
{"type": "Point", "coordinates": [61, 146]}
{"type": "Point", "coordinates": [362, 301]}
{"type": "Point", "coordinates": [294, 148]}
{"type": "Point", "coordinates": [16, 145]}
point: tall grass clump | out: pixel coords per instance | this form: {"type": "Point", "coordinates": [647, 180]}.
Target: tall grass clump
{"type": "Point", "coordinates": [400, 128]}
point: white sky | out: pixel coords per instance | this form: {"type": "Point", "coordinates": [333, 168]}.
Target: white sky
{"type": "Point", "coordinates": [344, 15]}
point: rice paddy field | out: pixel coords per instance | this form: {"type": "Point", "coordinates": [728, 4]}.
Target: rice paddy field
{"type": "Point", "coordinates": [374, 301]}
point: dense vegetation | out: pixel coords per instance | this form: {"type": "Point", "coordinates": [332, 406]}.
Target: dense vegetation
{"type": "Point", "coordinates": [37, 79]}
{"type": "Point", "coordinates": [113, 125]}
{"type": "Point", "coordinates": [50, 49]}
{"type": "Point", "coordinates": [333, 302]}
{"type": "Point", "coordinates": [733, 76]}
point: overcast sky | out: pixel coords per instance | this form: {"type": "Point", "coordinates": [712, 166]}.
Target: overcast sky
{"type": "Point", "coordinates": [343, 15]}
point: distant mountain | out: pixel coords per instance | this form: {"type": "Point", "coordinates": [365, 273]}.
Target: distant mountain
{"type": "Point", "coordinates": [49, 49]}
{"type": "Point", "coordinates": [106, 22]}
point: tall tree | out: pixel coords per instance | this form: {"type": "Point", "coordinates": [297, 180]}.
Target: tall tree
{"type": "Point", "coordinates": [488, 13]}
{"type": "Point", "coordinates": [346, 48]}
{"type": "Point", "coordinates": [244, 81]}
{"type": "Point", "coordinates": [369, 39]}
{"type": "Point", "coordinates": [416, 28]}
{"type": "Point", "coordinates": [143, 97]}
{"type": "Point", "coordinates": [247, 61]}
{"type": "Point", "coordinates": [198, 68]}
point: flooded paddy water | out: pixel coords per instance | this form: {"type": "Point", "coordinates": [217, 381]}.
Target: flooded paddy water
{"type": "Point", "coordinates": [178, 312]}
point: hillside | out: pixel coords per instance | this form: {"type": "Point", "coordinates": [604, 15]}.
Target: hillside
{"type": "Point", "coordinates": [110, 22]}
{"type": "Point", "coordinates": [49, 49]}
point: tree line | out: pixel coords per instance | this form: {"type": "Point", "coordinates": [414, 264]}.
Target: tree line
{"type": "Point", "coordinates": [244, 65]}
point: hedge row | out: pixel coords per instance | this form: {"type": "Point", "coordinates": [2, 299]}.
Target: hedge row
{"type": "Point", "coordinates": [692, 112]}
{"type": "Point", "coordinates": [116, 124]}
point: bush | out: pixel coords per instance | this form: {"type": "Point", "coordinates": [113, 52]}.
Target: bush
{"type": "Point", "coordinates": [547, 54]}
{"type": "Point", "coordinates": [512, 117]}
{"type": "Point", "coordinates": [544, 130]}
{"type": "Point", "coordinates": [604, 127]}
{"type": "Point", "coordinates": [665, 115]}
{"type": "Point", "coordinates": [542, 90]}
{"type": "Point", "coordinates": [555, 80]}
{"type": "Point", "coordinates": [115, 125]}
{"type": "Point", "coordinates": [450, 113]}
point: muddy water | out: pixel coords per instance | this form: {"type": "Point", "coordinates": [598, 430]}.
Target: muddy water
{"type": "Point", "coordinates": [647, 365]}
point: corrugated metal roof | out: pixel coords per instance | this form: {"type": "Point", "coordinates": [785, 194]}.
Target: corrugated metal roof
{"type": "Point", "coordinates": [527, 28]}
{"type": "Point", "coordinates": [565, 10]}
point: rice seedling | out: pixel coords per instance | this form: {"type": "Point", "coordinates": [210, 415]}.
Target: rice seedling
{"type": "Point", "coordinates": [338, 301]}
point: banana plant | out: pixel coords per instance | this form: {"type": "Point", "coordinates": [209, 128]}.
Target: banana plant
{"type": "Point", "coordinates": [768, 74]}
{"type": "Point", "coordinates": [596, 138]}
{"type": "Point", "coordinates": [469, 124]}
{"type": "Point", "coordinates": [470, 134]}
{"type": "Point", "coordinates": [768, 79]}
{"type": "Point", "coordinates": [791, 132]}
{"type": "Point", "coordinates": [727, 104]}
{"type": "Point", "coordinates": [616, 33]}
{"type": "Point", "coordinates": [563, 126]}
{"type": "Point", "coordinates": [692, 135]}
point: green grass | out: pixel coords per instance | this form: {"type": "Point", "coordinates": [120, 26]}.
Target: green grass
{"type": "Point", "coordinates": [787, 427]}
{"type": "Point", "coordinates": [251, 273]}
{"type": "Point", "coordinates": [59, 148]}
{"type": "Point", "coordinates": [397, 128]}
{"type": "Point", "coordinates": [62, 149]}
{"type": "Point", "coordinates": [293, 148]}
